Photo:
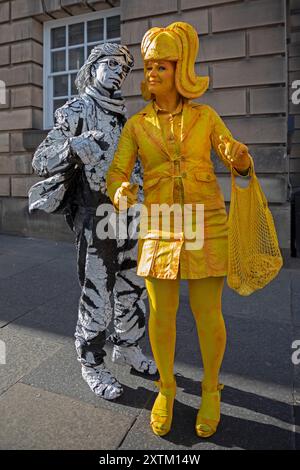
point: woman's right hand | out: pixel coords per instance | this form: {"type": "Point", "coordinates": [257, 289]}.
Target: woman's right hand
{"type": "Point", "coordinates": [126, 196]}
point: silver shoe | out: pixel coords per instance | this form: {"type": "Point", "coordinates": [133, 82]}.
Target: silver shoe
{"type": "Point", "coordinates": [101, 381]}
{"type": "Point", "coordinates": [133, 356]}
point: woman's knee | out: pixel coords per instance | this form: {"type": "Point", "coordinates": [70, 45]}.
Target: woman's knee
{"type": "Point", "coordinates": [163, 297]}
{"type": "Point", "coordinates": [163, 315]}
{"type": "Point", "coordinates": [205, 296]}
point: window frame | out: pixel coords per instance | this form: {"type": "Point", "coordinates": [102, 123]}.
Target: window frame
{"type": "Point", "coordinates": [48, 118]}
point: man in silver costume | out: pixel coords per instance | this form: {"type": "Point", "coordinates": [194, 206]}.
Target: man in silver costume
{"type": "Point", "coordinates": [75, 157]}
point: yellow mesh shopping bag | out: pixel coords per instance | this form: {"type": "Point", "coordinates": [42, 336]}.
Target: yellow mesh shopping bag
{"type": "Point", "coordinates": [254, 257]}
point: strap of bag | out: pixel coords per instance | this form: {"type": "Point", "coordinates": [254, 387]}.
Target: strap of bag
{"type": "Point", "coordinates": [251, 172]}
{"type": "Point", "coordinates": [253, 185]}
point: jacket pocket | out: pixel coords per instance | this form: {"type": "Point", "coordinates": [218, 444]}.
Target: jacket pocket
{"type": "Point", "coordinates": [205, 176]}
{"type": "Point", "coordinates": [206, 183]}
{"type": "Point", "coordinates": [146, 255]}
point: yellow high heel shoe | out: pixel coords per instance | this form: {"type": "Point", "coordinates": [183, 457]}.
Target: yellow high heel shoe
{"type": "Point", "coordinates": [162, 411]}
{"type": "Point", "coordinates": [208, 416]}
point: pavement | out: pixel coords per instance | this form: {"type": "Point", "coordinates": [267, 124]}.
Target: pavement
{"type": "Point", "coordinates": [45, 404]}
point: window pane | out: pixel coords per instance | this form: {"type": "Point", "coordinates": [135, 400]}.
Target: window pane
{"type": "Point", "coordinates": [73, 87]}
{"type": "Point", "coordinates": [113, 27]}
{"type": "Point", "coordinates": [60, 85]}
{"type": "Point", "coordinates": [76, 34]}
{"type": "Point", "coordinates": [58, 103]}
{"type": "Point", "coordinates": [58, 61]}
{"type": "Point", "coordinates": [76, 58]}
{"type": "Point", "coordinates": [58, 37]}
{"type": "Point", "coordinates": [89, 49]}
{"type": "Point", "coordinates": [95, 30]}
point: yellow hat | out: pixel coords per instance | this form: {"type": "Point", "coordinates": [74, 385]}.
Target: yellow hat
{"type": "Point", "coordinates": [177, 42]}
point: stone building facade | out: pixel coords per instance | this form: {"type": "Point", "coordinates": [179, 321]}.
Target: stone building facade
{"type": "Point", "coordinates": [249, 48]}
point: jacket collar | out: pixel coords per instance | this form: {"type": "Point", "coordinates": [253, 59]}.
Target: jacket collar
{"type": "Point", "coordinates": [150, 123]}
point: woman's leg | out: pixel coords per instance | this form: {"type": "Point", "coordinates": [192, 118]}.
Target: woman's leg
{"type": "Point", "coordinates": [163, 300]}
{"type": "Point", "coordinates": [205, 300]}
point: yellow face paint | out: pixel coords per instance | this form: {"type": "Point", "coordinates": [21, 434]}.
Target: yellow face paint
{"type": "Point", "coordinates": [160, 76]}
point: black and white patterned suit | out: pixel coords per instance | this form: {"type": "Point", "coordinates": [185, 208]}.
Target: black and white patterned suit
{"type": "Point", "coordinates": [106, 268]}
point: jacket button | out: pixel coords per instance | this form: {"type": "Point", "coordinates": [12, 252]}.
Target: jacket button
{"type": "Point", "coordinates": [208, 177]}
{"type": "Point", "coordinates": [183, 174]}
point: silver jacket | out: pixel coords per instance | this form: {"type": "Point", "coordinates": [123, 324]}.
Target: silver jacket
{"type": "Point", "coordinates": [77, 178]}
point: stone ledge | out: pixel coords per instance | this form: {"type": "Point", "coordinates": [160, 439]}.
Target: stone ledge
{"type": "Point", "coordinates": [267, 159]}
{"type": "Point", "coordinates": [246, 15]}
{"type": "Point", "coordinates": [33, 138]}
{"type": "Point", "coordinates": [274, 187]}
{"type": "Point", "coordinates": [4, 12]}
{"type": "Point", "coordinates": [246, 72]}
{"type": "Point", "coordinates": [16, 220]}
{"type": "Point", "coordinates": [139, 9]}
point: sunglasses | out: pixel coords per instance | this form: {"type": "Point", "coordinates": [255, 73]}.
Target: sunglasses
{"type": "Point", "coordinates": [114, 65]}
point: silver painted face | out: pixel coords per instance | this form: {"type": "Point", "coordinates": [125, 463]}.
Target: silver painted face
{"type": "Point", "coordinates": [111, 72]}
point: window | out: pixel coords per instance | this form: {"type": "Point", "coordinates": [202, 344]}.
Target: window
{"type": "Point", "coordinates": [67, 44]}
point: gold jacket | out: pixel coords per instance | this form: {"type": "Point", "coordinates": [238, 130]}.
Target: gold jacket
{"type": "Point", "coordinates": [142, 136]}
{"type": "Point", "coordinates": [201, 128]}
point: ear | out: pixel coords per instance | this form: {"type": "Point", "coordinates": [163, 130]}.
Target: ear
{"type": "Point", "coordinates": [93, 71]}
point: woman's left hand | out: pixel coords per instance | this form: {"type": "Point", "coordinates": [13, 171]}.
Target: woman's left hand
{"type": "Point", "coordinates": [235, 152]}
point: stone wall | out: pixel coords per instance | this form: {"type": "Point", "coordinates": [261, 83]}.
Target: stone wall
{"type": "Point", "coordinates": [294, 75]}
{"type": "Point", "coordinates": [21, 117]}
{"type": "Point", "coordinates": [243, 49]}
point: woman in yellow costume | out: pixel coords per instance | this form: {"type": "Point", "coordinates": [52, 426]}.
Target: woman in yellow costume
{"type": "Point", "coordinates": [173, 137]}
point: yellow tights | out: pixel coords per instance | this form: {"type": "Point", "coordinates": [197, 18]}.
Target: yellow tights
{"type": "Point", "coordinates": [205, 300]}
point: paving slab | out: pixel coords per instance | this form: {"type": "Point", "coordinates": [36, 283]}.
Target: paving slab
{"type": "Point", "coordinates": [39, 295]}
{"type": "Point", "coordinates": [34, 247]}
{"type": "Point", "coordinates": [56, 317]}
{"type": "Point", "coordinates": [62, 374]}
{"type": "Point", "coordinates": [22, 293]}
{"type": "Point", "coordinates": [251, 419]}
{"type": "Point", "coordinates": [23, 353]}
{"type": "Point", "coordinates": [44, 420]}
{"type": "Point", "coordinates": [238, 429]}
{"type": "Point", "coordinates": [295, 353]}
{"type": "Point", "coordinates": [273, 302]}
{"type": "Point", "coordinates": [258, 351]}
{"type": "Point", "coordinates": [295, 309]}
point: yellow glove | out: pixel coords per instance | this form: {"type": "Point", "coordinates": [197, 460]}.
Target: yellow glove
{"type": "Point", "coordinates": [125, 196]}
{"type": "Point", "coordinates": [236, 153]}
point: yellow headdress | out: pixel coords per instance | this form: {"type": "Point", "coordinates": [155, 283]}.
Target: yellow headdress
{"type": "Point", "coordinates": [177, 42]}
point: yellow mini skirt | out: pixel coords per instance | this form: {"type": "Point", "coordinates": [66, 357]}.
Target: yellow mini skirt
{"type": "Point", "coordinates": [165, 259]}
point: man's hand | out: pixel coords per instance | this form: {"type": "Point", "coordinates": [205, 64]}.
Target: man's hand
{"type": "Point", "coordinates": [86, 146]}
{"type": "Point", "coordinates": [126, 196]}
{"type": "Point", "coordinates": [235, 152]}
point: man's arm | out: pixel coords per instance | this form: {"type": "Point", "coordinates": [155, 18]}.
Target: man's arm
{"type": "Point", "coordinates": [54, 154]}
